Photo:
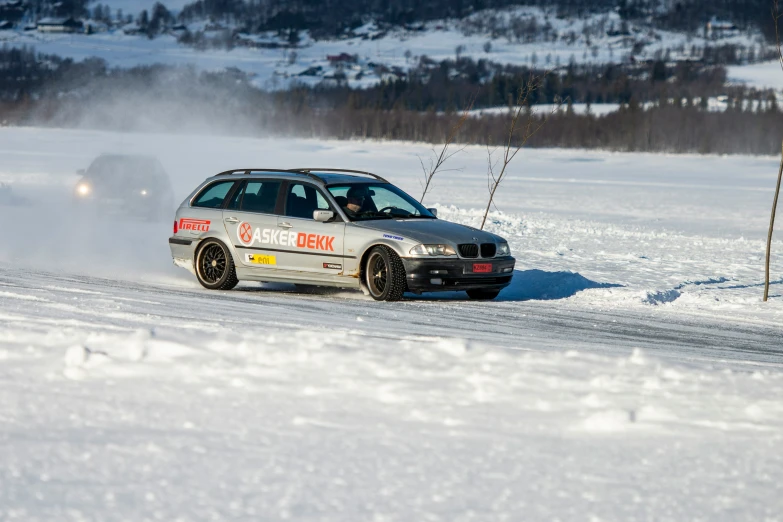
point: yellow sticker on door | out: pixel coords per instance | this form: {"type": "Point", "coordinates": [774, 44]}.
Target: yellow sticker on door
{"type": "Point", "coordinates": [260, 259]}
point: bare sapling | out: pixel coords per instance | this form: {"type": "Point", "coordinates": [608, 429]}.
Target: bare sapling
{"type": "Point", "coordinates": [437, 160]}
{"type": "Point", "coordinates": [524, 124]}
{"type": "Point", "coordinates": [776, 18]}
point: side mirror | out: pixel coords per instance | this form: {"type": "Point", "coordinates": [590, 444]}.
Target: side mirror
{"type": "Point", "coordinates": [323, 215]}
{"type": "Point", "coordinates": [433, 211]}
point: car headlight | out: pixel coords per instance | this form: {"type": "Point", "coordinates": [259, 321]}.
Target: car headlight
{"type": "Point", "coordinates": [143, 192]}
{"type": "Point", "coordinates": [433, 250]}
{"type": "Point", "coordinates": [83, 189]}
{"type": "Point", "coordinates": [503, 250]}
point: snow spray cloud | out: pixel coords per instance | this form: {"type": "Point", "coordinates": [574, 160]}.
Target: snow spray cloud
{"type": "Point", "coordinates": [159, 99]}
{"type": "Point", "coordinates": [170, 113]}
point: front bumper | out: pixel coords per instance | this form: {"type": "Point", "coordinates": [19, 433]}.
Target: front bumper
{"type": "Point", "coordinates": [442, 274]}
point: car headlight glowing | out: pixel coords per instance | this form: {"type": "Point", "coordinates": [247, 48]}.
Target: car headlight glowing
{"type": "Point", "coordinates": [433, 250]}
{"type": "Point", "coordinates": [503, 250]}
{"type": "Point", "coordinates": [83, 189]}
{"type": "Point", "coordinates": [144, 192]}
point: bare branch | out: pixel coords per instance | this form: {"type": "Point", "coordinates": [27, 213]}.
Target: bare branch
{"type": "Point", "coordinates": [776, 15]}
{"type": "Point", "coordinates": [518, 135]}
{"type": "Point", "coordinates": [445, 154]}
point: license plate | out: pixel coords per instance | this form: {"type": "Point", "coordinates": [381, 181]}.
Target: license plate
{"type": "Point", "coordinates": [482, 268]}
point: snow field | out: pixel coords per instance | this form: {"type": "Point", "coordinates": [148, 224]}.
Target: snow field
{"type": "Point", "coordinates": [629, 372]}
{"type": "Point", "coordinates": [226, 419]}
{"type": "Point", "coordinates": [639, 229]}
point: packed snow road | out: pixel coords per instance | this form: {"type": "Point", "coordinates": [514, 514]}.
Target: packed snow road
{"type": "Point", "coordinates": [630, 371]}
{"type": "Point", "coordinates": [46, 298]}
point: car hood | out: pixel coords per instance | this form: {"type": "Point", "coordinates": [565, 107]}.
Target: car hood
{"type": "Point", "coordinates": [430, 231]}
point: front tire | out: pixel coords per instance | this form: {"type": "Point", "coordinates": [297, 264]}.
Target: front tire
{"type": "Point", "coordinates": [483, 295]}
{"type": "Point", "coordinates": [215, 268]}
{"type": "Point", "coordinates": [384, 274]}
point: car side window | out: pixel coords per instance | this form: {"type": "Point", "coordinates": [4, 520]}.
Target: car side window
{"type": "Point", "coordinates": [256, 196]}
{"type": "Point", "coordinates": [301, 200]}
{"type": "Point", "coordinates": [214, 195]}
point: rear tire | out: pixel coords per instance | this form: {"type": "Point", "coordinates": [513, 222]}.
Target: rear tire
{"type": "Point", "coordinates": [483, 295]}
{"type": "Point", "coordinates": [384, 274]}
{"type": "Point", "coordinates": [215, 268]}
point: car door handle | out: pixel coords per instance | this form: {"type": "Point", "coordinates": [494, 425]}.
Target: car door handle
{"type": "Point", "coordinates": [231, 220]}
{"type": "Point", "coordinates": [285, 224]}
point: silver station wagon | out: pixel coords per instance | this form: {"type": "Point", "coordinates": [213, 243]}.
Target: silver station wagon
{"type": "Point", "coordinates": [331, 227]}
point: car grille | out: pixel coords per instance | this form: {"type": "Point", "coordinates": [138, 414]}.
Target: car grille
{"type": "Point", "coordinates": [488, 249]}
{"type": "Point", "coordinates": [468, 250]}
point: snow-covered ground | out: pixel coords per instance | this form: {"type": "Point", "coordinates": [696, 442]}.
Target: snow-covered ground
{"type": "Point", "coordinates": [630, 371]}
{"type": "Point", "coordinates": [765, 75]}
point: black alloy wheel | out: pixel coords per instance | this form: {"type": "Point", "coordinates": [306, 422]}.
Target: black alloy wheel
{"type": "Point", "coordinates": [384, 274]}
{"type": "Point", "coordinates": [215, 268]}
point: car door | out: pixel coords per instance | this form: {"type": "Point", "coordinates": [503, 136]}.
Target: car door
{"type": "Point", "coordinates": [314, 246]}
{"type": "Point", "coordinates": [251, 221]}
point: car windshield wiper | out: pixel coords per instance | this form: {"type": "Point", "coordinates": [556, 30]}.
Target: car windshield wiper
{"type": "Point", "coordinates": [417, 217]}
{"type": "Point", "coordinates": [374, 216]}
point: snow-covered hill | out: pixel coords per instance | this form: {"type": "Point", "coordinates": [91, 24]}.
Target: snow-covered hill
{"type": "Point", "coordinates": [382, 54]}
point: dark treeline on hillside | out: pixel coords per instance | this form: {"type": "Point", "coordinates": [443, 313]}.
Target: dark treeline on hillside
{"type": "Point", "coordinates": [333, 17]}
{"type": "Point", "coordinates": [44, 90]}
{"type": "Point", "coordinates": [453, 85]}
{"type": "Point", "coordinates": [431, 86]}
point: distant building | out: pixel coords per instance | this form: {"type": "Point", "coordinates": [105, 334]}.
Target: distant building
{"type": "Point", "coordinates": [131, 28]}
{"type": "Point", "coordinates": [342, 58]}
{"type": "Point", "coordinates": [720, 29]}
{"type": "Point", "coordinates": [59, 25]}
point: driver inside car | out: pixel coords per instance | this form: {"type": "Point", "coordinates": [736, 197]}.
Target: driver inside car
{"type": "Point", "coordinates": [355, 199]}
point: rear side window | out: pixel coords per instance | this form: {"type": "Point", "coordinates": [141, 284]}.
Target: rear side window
{"type": "Point", "coordinates": [257, 196]}
{"type": "Point", "coordinates": [302, 200]}
{"type": "Point", "coordinates": [214, 195]}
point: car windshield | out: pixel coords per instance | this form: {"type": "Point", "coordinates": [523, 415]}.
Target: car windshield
{"type": "Point", "coordinates": [367, 201]}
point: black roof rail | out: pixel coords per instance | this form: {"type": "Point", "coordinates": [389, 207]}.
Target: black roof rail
{"type": "Point", "coordinates": [302, 172]}
{"type": "Point", "coordinates": [308, 170]}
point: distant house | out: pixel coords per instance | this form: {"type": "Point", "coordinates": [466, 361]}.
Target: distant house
{"type": "Point", "coordinates": [721, 25]}
{"type": "Point", "coordinates": [342, 58]}
{"type": "Point", "coordinates": [131, 28]}
{"type": "Point", "coordinates": [59, 25]}
{"type": "Point", "coordinates": [720, 29]}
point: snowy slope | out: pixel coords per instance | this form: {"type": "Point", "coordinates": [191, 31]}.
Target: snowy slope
{"type": "Point", "coordinates": [629, 372]}
{"type": "Point", "coordinates": [396, 48]}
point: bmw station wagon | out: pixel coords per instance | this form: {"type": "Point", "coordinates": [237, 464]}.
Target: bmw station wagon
{"type": "Point", "coordinates": [331, 227]}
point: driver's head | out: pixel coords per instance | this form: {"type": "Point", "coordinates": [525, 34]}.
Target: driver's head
{"type": "Point", "coordinates": [356, 197]}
